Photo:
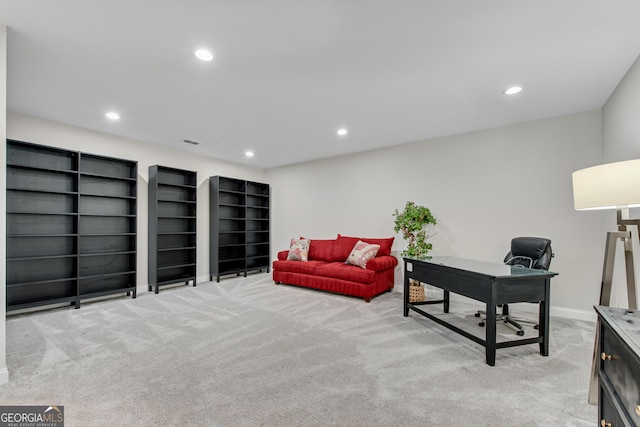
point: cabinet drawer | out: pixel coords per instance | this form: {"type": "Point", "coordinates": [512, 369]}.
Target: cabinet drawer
{"type": "Point", "coordinates": [608, 413]}
{"type": "Point", "coordinates": [621, 370]}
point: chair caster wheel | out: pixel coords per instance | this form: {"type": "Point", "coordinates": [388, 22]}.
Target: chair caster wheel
{"type": "Point", "coordinates": [481, 324]}
{"type": "Point", "coordinates": [536, 326]}
{"type": "Point", "coordinates": [477, 314]}
{"type": "Point", "coordinates": [520, 333]}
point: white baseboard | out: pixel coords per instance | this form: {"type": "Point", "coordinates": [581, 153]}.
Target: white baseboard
{"type": "Point", "coordinates": [4, 376]}
{"type": "Point", "coordinates": [201, 279]}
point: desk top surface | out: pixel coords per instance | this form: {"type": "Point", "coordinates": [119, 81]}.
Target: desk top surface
{"type": "Point", "coordinates": [492, 269]}
{"type": "Point", "coordinates": [626, 322]}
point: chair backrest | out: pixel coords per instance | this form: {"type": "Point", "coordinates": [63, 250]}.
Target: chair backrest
{"type": "Point", "coordinates": [531, 252]}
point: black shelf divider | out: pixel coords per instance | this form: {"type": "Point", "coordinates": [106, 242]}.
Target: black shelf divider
{"type": "Point", "coordinates": [172, 226]}
{"type": "Point", "coordinates": [239, 227]}
{"type": "Point", "coordinates": [49, 203]}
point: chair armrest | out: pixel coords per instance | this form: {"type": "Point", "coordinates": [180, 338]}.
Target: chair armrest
{"type": "Point", "coordinates": [282, 255]}
{"type": "Point", "coordinates": [381, 263]}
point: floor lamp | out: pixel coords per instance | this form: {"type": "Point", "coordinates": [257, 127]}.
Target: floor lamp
{"type": "Point", "coordinates": [611, 186]}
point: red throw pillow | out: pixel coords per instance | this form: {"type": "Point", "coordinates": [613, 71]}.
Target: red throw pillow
{"type": "Point", "coordinates": [384, 242]}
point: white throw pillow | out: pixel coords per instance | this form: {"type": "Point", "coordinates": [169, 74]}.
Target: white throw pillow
{"type": "Point", "coordinates": [299, 250]}
{"type": "Point", "coordinates": [361, 253]}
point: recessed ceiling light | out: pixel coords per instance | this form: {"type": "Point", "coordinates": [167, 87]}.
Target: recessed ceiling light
{"type": "Point", "coordinates": [204, 55]}
{"type": "Point", "coordinates": [513, 90]}
{"type": "Point", "coordinates": [342, 132]}
{"type": "Point", "coordinates": [248, 153]}
{"type": "Point", "coordinates": [112, 115]}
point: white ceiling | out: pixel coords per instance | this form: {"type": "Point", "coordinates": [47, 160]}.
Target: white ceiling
{"type": "Point", "coordinates": [289, 73]}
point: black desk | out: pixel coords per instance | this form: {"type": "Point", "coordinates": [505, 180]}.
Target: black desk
{"type": "Point", "coordinates": [490, 283]}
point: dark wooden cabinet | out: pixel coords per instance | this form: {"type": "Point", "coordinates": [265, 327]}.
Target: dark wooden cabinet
{"type": "Point", "coordinates": [239, 215]}
{"type": "Point", "coordinates": [71, 226]}
{"type": "Point", "coordinates": [172, 226]}
{"type": "Point", "coordinates": [619, 367]}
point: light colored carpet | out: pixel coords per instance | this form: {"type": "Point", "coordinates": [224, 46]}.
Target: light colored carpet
{"type": "Point", "coordinates": [245, 352]}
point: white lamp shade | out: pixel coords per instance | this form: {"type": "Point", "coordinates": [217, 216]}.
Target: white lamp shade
{"type": "Point", "coordinates": [609, 186]}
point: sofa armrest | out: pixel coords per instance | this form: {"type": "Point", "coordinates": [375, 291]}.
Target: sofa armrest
{"type": "Point", "coordinates": [282, 255]}
{"type": "Point", "coordinates": [381, 263]}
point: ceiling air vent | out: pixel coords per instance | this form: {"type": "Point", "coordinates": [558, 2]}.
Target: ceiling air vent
{"type": "Point", "coordinates": [189, 141]}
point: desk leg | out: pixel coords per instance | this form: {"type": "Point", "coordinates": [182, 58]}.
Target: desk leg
{"type": "Point", "coordinates": [446, 301]}
{"type": "Point", "coordinates": [490, 339]}
{"type": "Point", "coordinates": [406, 291]}
{"type": "Point", "coordinates": [543, 320]}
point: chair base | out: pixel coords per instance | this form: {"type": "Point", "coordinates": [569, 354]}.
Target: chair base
{"type": "Point", "coordinates": [506, 318]}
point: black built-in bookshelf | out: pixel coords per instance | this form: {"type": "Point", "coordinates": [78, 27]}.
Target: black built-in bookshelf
{"type": "Point", "coordinates": [172, 226]}
{"type": "Point", "coordinates": [71, 226]}
{"type": "Point", "coordinates": [239, 215]}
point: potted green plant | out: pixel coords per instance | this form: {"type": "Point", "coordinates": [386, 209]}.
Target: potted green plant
{"type": "Point", "coordinates": [413, 222]}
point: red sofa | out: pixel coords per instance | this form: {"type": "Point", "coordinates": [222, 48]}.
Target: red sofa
{"type": "Point", "coordinates": [326, 269]}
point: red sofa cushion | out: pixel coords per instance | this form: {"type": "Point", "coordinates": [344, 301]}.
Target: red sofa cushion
{"type": "Point", "coordinates": [343, 247]}
{"type": "Point", "coordinates": [303, 267]}
{"type": "Point", "coordinates": [384, 242]}
{"type": "Point", "coordinates": [322, 250]}
{"type": "Point", "coordinates": [340, 270]}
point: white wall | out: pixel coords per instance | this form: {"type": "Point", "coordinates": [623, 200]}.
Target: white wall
{"type": "Point", "coordinates": [621, 141]}
{"type": "Point", "coordinates": [483, 187]}
{"type": "Point", "coordinates": [621, 119]}
{"type": "Point", "coordinates": [30, 129]}
{"type": "Point", "coordinates": [4, 373]}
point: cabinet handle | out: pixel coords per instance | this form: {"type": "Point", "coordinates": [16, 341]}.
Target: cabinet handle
{"type": "Point", "coordinates": [605, 356]}
{"type": "Point", "coordinates": [603, 423]}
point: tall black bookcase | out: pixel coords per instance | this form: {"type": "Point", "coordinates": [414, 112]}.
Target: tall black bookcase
{"type": "Point", "coordinates": [71, 226]}
{"type": "Point", "coordinates": [239, 215]}
{"type": "Point", "coordinates": [172, 226]}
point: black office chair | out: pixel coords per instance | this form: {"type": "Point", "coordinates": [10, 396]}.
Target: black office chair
{"type": "Point", "coordinates": [529, 252]}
